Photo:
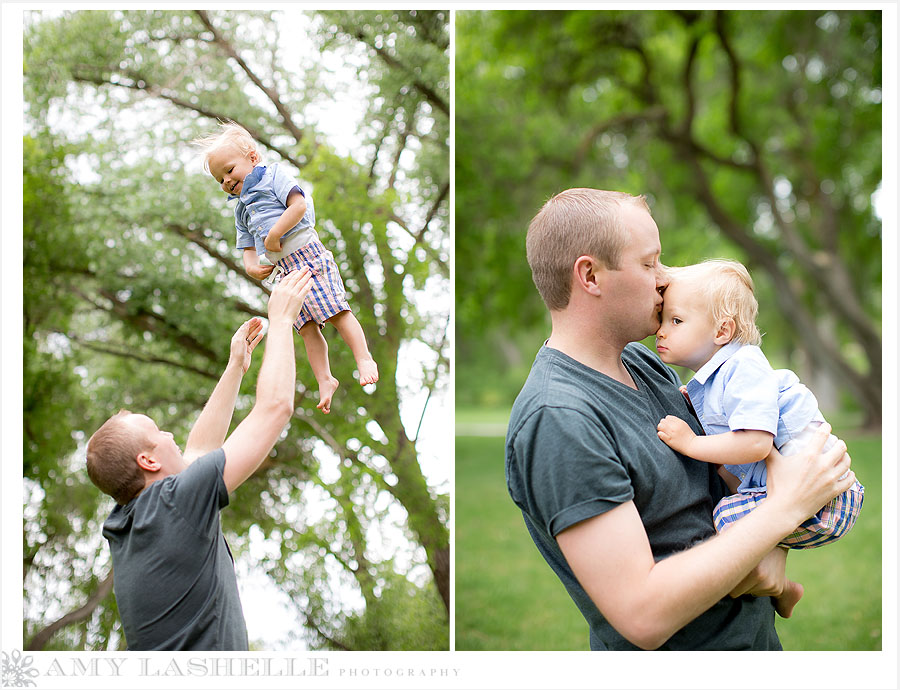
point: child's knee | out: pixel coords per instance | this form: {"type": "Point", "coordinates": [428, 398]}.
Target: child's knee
{"type": "Point", "coordinates": [341, 318]}
{"type": "Point", "coordinates": [310, 329]}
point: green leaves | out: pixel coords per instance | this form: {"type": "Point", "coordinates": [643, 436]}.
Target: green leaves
{"type": "Point", "coordinates": [755, 135]}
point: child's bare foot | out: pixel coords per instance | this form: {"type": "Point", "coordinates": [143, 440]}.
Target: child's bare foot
{"type": "Point", "coordinates": [784, 605]}
{"type": "Point", "coordinates": [368, 371]}
{"type": "Point", "coordinates": [326, 392]}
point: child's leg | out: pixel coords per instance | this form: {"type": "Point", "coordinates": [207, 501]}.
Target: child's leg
{"type": "Point", "coordinates": [353, 335]}
{"type": "Point", "coordinates": [731, 509]}
{"type": "Point", "coordinates": [317, 354]}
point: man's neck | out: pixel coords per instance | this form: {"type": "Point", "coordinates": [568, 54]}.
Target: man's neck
{"type": "Point", "coordinates": [595, 353]}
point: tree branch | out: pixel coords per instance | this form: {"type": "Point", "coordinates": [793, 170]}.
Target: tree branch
{"type": "Point", "coordinates": [133, 354]}
{"type": "Point", "coordinates": [688, 83]}
{"type": "Point", "coordinates": [433, 383]}
{"type": "Point", "coordinates": [652, 114]}
{"type": "Point", "coordinates": [441, 264]}
{"type": "Point", "coordinates": [430, 94]}
{"type": "Point", "coordinates": [146, 321]}
{"type": "Point", "coordinates": [442, 194]}
{"type": "Point", "coordinates": [40, 640]}
{"type": "Point", "coordinates": [156, 91]}
{"type": "Point", "coordinates": [330, 640]}
{"type": "Point", "coordinates": [825, 270]}
{"type": "Point", "coordinates": [272, 95]}
{"type": "Point", "coordinates": [339, 450]}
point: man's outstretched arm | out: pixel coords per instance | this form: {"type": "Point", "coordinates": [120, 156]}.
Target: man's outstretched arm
{"type": "Point", "coordinates": [646, 601]}
{"type": "Point", "coordinates": [208, 432]}
{"type": "Point", "coordinates": [254, 437]}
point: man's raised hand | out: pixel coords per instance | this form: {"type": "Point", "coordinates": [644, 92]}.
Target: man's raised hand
{"type": "Point", "coordinates": [245, 339]}
{"type": "Point", "coordinates": [288, 296]}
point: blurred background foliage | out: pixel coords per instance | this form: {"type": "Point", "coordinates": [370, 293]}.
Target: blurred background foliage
{"type": "Point", "coordinates": [754, 135]}
{"type": "Point", "coordinates": [133, 288]}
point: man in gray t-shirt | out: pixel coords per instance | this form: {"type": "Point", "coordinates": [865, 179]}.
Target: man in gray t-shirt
{"type": "Point", "coordinates": [173, 573]}
{"type": "Point", "coordinates": [624, 521]}
{"type": "Point", "coordinates": [170, 535]}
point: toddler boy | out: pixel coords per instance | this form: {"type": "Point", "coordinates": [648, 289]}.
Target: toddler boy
{"type": "Point", "coordinates": [709, 326]}
{"type": "Point", "coordinates": [275, 223]}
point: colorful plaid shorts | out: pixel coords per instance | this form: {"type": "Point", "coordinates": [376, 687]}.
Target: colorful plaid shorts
{"type": "Point", "coordinates": [831, 523]}
{"type": "Point", "coordinates": [327, 296]}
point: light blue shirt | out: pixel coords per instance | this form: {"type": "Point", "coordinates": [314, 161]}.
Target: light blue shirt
{"type": "Point", "coordinates": [262, 201]}
{"type": "Point", "coordinates": [737, 389]}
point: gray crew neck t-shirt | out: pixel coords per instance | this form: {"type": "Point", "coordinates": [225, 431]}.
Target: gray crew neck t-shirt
{"type": "Point", "coordinates": [580, 443]}
{"type": "Point", "coordinates": [174, 574]}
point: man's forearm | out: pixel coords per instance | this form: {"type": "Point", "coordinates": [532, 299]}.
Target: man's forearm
{"type": "Point", "coordinates": [275, 384]}
{"type": "Point", "coordinates": [683, 586]}
{"type": "Point", "coordinates": [208, 432]}
{"type": "Point", "coordinates": [648, 601]}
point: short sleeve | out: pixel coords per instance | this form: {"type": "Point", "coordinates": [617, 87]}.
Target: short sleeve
{"type": "Point", "coordinates": [750, 397]}
{"type": "Point", "coordinates": [198, 492]}
{"type": "Point", "coordinates": [244, 238]}
{"type": "Point", "coordinates": [565, 469]}
{"type": "Point", "coordinates": [283, 184]}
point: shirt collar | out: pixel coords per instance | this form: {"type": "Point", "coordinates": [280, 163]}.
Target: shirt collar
{"type": "Point", "coordinates": [252, 178]}
{"type": "Point", "coordinates": [723, 354]}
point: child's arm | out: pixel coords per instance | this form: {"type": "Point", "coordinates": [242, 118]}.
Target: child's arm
{"type": "Point", "coordinates": [730, 480]}
{"type": "Point", "coordinates": [296, 208]}
{"type": "Point", "coordinates": [732, 447]}
{"type": "Point", "coordinates": [253, 267]}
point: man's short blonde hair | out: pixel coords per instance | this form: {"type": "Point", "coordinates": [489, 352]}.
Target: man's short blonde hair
{"type": "Point", "coordinates": [112, 458]}
{"type": "Point", "coordinates": [575, 223]}
{"type": "Point", "coordinates": [230, 134]}
{"type": "Point", "coordinates": [727, 288]}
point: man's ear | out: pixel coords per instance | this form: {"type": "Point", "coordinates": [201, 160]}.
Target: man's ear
{"type": "Point", "coordinates": [725, 332]}
{"type": "Point", "coordinates": [588, 274]}
{"type": "Point", "coordinates": [147, 462]}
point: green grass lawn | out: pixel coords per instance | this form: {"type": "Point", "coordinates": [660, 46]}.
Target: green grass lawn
{"type": "Point", "coordinates": [507, 598]}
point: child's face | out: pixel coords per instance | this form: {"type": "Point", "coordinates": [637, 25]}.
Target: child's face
{"type": "Point", "coordinates": [686, 335]}
{"type": "Point", "coordinates": [229, 166]}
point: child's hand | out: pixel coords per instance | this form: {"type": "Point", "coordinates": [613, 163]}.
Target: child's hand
{"type": "Point", "coordinates": [687, 397]}
{"type": "Point", "coordinates": [675, 433]}
{"type": "Point", "coordinates": [272, 243]}
{"type": "Point", "coordinates": [259, 271]}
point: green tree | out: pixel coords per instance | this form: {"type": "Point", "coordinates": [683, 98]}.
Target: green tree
{"type": "Point", "coordinates": [755, 134]}
{"type": "Point", "coordinates": [137, 287]}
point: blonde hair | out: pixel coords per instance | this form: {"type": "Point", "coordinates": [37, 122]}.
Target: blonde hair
{"type": "Point", "coordinates": [575, 223]}
{"type": "Point", "coordinates": [230, 134]}
{"type": "Point", "coordinates": [728, 290]}
{"type": "Point", "coordinates": [112, 458]}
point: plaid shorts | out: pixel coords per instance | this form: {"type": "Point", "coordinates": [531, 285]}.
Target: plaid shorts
{"type": "Point", "coordinates": [327, 296]}
{"type": "Point", "coordinates": [830, 524]}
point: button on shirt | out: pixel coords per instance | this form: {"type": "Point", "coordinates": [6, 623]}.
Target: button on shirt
{"type": "Point", "coordinates": [737, 389]}
{"type": "Point", "coordinates": [262, 201]}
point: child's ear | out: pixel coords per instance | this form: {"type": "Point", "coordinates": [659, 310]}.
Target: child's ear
{"type": "Point", "coordinates": [725, 332]}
